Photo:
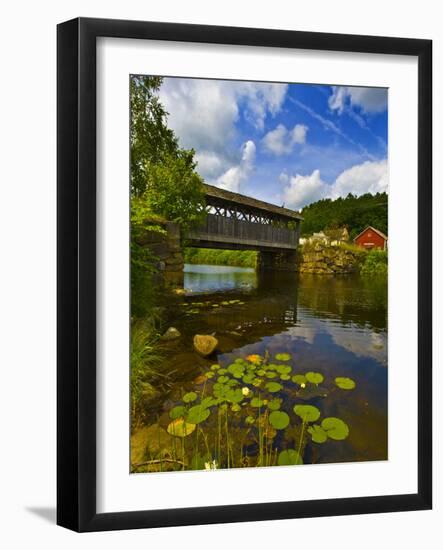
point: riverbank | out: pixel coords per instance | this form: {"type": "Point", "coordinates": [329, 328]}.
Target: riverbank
{"type": "Point", "coordinates": [210, 256]}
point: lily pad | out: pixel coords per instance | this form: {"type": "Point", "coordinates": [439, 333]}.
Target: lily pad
{"type": "Point", "coordinates": [283, 369]}
{"type": "Point", "coordinates": [285, 377]}
{"type": "Point", "coordinates": [299, 379]}
{"type": "Point", "coordinates": [317, 433]}
{"type": "Point", "coordinates": [190, 397]}
{"type": "Point", "coordinates": [248, 378]}
{"type": "Point", "coordinates": [273, 387]}
{"type": "Point", "coordinates": [335, 428]}
{"type": "Point", "coordinates": [308, 413]}
{"type": "Point", "coordinates": [271, 374]}
{"type": "Point", "coordinates": [249, 420]}
{"type": "Point", "coordinates": [209, 374]}
{"type": "Point", "coordinates": [208, 401]}
{"type": "Point", "coordinates": [256, 402]}
{"type": "Point", "coordinates": [235, 407]}
{"type": "Point", "coordinates": [283, 357]}
{"type": "Point", "coordinates": [345, 383]}
{"type": "Point", "coordinates": [177, 412]}
{"type": "Point", "coordinates": [279, 420]}
{"type": "Point", "coordinates": [215, 367]}
{"type": "Point", "coordinates": [314, 377]}
{"type": "Point", "coordinates": [234, 396]}
{"type": "Point", "coordinates": [222, 379]}
{"type": "Point", "coordinates": [197, 414]}
{"type": "Point", "coordinates": [274, 404]}
{"type": "Point", "coordinates": [180, 428]}
{"type": "Point", "coordinates": [222, 371]}
{"type": "Point", "coordinates": [289, 457]}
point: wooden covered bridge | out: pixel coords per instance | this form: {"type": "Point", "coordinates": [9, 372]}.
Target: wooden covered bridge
{"type": "Point", "coordinates": [237, 222]}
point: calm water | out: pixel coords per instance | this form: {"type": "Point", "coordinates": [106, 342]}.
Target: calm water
{"type": "Point", "coordinates": [333, 325]}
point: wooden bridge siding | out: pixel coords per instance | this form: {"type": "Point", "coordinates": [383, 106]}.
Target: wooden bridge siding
{"type": "Point", "coordinates": [227, 230]}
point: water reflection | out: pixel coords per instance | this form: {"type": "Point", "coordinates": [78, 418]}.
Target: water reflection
{"type": "Point", "coordinates": [335, 325]}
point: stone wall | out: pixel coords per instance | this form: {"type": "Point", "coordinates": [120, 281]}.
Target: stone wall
{"type": "Point", "coordinates": [278, 261]}
{"type": "Point", "coordinates": [166, 247]}
{"type": "Point", "coordinates": [326, 259]}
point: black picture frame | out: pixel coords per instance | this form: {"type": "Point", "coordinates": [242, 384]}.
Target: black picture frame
{"type": "Point", "coordinates": [76, 266]}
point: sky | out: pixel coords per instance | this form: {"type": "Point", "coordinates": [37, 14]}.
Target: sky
{"type": "Point", "coordinates": [288, 144]}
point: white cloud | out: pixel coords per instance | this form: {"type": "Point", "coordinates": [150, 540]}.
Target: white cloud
{"type": "Point", "coordinates": [369, 100]}
{"type": "Point", "coordinates": [203, 112]}
{"type": "Point", "coordinates": [234, 176]}
{"type": "Point", "coordinates": [368, 177]}
{"type": "Point", "coordinates": [303, 190]}
{"type": "Point", "coordinates": [210, 164]}
{"type": "Point", "coordinates": [282, 141]}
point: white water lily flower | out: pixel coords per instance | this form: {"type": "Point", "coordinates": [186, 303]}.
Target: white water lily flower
{"type": "Point", "coordinates": [245, 391]}
{"type": "Point", "coordinates": [211, 465]}
{"type": "Point", "coordinates": [302, 385]}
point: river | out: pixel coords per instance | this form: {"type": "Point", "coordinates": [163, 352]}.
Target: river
{"type": "Point", "coordinates": [332, 325]}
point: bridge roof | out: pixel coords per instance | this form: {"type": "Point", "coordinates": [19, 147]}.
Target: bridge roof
{"type": "Point", "coordinates": [237, 198]}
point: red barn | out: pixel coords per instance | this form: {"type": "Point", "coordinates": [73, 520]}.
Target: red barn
{"type": "Point", "coordinates": [371, 238]}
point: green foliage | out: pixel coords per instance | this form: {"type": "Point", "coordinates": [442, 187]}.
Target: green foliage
{"type": "Point", "coordinates": [290, 457]}
{"type": "Point", "coordinates": [164, 184]}
{"type": "Point", "coordinates": [209, 256]}
{"type": "Point", "coordinates": [376, 263]}
{"type": "Point", "coordinates": [352, 212]}
{"type": "Point", "coordinates": [145, 368]}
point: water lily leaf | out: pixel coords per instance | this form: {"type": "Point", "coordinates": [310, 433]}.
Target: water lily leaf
{"type": "Point", "coordinates": [197, 414]}
{"type": "Point", "coordinates": [261, 372]}
{"type": "Point", "coordinates": [256, 402]}
{"type": "Point", "coordinates": [308, 413]}
{"type": "Point", "coordinates": [234, 396]}
{"type": "Point", "coordinates": [289, 457]}
{"type": "Point", "coordinates": [273, 387]}
{"type": "Point", "coordinates": [274, 404]}
{"type": "Point", "coordinates": [190, 397]}
{"type": "Point", "coordinates": [335, 428]}
{"type": "Point", "coordinates": [215, 367]}
{"type": "Point", "coordinates": [279, 420]}
{"type": "Point", "coordinates": [177, 412]}
{"type": "Point", "coordinates": [209, 374]}
{"type": "Point", "coordinates": [249, 420]}
{"type": "Point", "coordinates": [256, 382]}
{"type": "Point", "coordinates": [235, 407]}
{"type": "Point", "coordinates": [208, 401]}
{"type": "Point", "coordinates": [283, 369]}
{"type": "Point", "coordinates": [180, 428]}
{"type": "Point", "coordinates": [271, 374]}
{"type": "Point", "coordinates": [345, 383]}
{"type": "Point", "coordinates": [222, 379]}
{"type": "Point", "coordinates": [285, 377]}
{"type": "Point", "coordinates": [317, 433]}
{"type": "Point", "coordinates": [248, 378]}
{"type": "Point", "coordinates": [222, 371]}
{"type": "Point", "coordinates": [299, 379]}
{"type": "Point", "coordinates": [314, 377]}
{"type": "Point", "coordinates": [282, 356]}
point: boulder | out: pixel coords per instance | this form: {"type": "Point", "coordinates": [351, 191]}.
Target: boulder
{"type": "Point", "coordinates": [205, 344]}
{"type": "Point", "coordinates": [171, 334]}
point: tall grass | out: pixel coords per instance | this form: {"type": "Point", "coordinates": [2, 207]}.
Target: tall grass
{"type": "Point", "coordinates": [210, 256]}
{"type": "Point", "coordinates": [146, 375]}
{"type": "Point", "coordinates": [376, 263]}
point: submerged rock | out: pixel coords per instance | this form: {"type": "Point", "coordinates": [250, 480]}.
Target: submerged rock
{"type": "Point", "coordinates": [205, 344]}
{"type": "Point", "coordinates": [171, 334]}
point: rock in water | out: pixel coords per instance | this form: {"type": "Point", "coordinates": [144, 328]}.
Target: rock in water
{"type": "Point", "coordinates": [171, 334]}
{"type": "Point", "coordinates": [205, 344]}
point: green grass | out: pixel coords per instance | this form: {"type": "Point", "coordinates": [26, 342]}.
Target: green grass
{"type": "Point", "coordinates": [146, 375]}
{"type": "Point", "coordinates": [376, 263]}
{"type": "Point", "coordinates": [209, 256]}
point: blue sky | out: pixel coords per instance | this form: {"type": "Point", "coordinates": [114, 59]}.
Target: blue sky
{"type": "Point", "coordinates": [288, 144]}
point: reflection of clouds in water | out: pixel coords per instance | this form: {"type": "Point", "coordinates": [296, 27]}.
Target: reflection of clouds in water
{"type": "Point", "coordinates": [362, 341]}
